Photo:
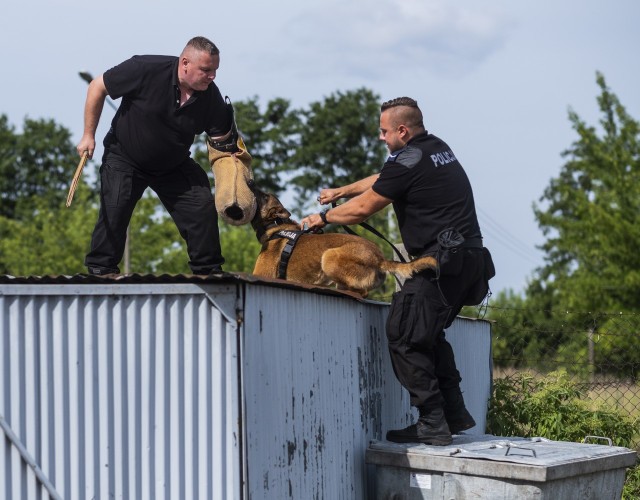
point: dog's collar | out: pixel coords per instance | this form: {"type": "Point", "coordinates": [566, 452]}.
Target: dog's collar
{"type": "Point", "coordinates": [290, 234]}
{"type": "Point", "coordinates": [260, 232]}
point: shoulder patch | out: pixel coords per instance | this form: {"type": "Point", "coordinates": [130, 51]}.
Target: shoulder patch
{"type": "Point", "coordinates": [409, 156]}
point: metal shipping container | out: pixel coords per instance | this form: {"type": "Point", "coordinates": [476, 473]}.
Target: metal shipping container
{"type": "Point", "coordinates": [200, 388]}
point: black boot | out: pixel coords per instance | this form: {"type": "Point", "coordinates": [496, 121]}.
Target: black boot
{"type": "Point", "coordinates": [101, 271]}
{"type": "Point", "coordinates": [431, 428]}
{"type": "Point", "coordinates": [456, 413]}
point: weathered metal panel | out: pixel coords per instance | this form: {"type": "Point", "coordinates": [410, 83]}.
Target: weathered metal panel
{"type": "Point", "coordinates": [119, 391]}
{"type": "Point", "coordinates": [318, 386]}
{"type": "Point", "coordinates": [471, 343]}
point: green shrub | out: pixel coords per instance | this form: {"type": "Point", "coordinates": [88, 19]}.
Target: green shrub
{"type": "Point", "coordinates": [631, 490]}
{"type": "Point", "coordinates": [554, 408]}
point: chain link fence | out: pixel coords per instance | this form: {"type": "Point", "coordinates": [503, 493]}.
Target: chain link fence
{"type": "Point", "coordinates": [599, 351]}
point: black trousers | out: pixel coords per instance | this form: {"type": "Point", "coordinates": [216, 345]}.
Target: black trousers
{"type": "Point", "coordinates": [185, 193]}
{"type": "Point", "coordinates": [422, 359]}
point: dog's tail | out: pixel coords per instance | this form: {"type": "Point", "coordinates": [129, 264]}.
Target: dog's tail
{"type": "Point", "coordinates": [404, 270]}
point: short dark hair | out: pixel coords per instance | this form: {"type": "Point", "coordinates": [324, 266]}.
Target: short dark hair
{"type": "Point", "coordinates": [203, 44]}
{"type": "Point", "coordinates": [411, 116]}
{"type": "Point", "coordinates": [399, 101]}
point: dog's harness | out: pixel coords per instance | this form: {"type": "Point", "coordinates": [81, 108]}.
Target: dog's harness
{"type": "Point", "coordinates": [292, 240]}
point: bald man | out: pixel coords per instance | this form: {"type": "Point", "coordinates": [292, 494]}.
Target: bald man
{"type": "Point", "coordinates": [166, 102]}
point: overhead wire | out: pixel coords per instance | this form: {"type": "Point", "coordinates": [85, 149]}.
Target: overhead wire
{"type": "Point", "coordinates": [505, 238]}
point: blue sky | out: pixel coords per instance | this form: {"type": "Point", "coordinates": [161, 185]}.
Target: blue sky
{"type": "Point", "coordinates": [495, 79]}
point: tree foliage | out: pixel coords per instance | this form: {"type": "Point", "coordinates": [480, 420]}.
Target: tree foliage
{"type": "Point", "coordinates": [37, 162]}
{"type": "Point", "coordinates": [38, 235]}
{"type": "Point", "coordinates": [47, 239]}
{"type": "Point", "coordinates": [240, 247]}
{"type": "Point", "coordinates": [590, 215]}
{"type": "Point", "coordinates": [272, 137]}
{"type": "Point", "coordinates": [338, 142]}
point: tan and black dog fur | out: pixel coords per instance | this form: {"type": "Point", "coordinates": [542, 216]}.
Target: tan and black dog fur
{"type": "Point", "coordinates": [350, 262]}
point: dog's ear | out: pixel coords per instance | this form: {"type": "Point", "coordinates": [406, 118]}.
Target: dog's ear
{"type": "Point", "coordinates": [278, 212]}
{"type": "Point", "coordinates": [275, 209]}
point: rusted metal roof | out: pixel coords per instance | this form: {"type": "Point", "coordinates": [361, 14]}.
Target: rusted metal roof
{"type": "Point", "coordinates": [136, 278]}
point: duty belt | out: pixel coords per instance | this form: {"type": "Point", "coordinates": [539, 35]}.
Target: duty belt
{"type": "Point", "coordinates": [468, 243]}
{"type": "Point", "coordinates": [472, 243]}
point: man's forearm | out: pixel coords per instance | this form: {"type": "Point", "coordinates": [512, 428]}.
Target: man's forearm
{"type": "Point", "coordinates": [353, 211]}
{"type": "Point", "coordinates": [358, 187]}
{"type": "Point", "coordinates": [331, 195]}
{"type": "Point", "coordinates": [96, 95]}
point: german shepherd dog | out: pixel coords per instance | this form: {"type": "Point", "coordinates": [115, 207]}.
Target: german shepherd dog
{"type": "Point", "coordinates": [347, 261]}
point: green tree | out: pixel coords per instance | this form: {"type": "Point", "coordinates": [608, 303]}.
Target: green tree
{"type": "Point", "coordinates": [273, 136]}
{"type": "Point", "coordinates": [47, 240]}
{"type": "Point", "coordinates": [590, 215]}
{"type": "Point", "coordinates": [155, 244]}
{"type": "Point", "coordinates": [38, 235]}
{"type": "Point", "coordinates": [240, 247]}
{"type": "Point", "coordinates": [338, 142]}
{"type": "Point", "coordinates": [523, 334]}
{"type": "Point", "coordinates": [37, 162]}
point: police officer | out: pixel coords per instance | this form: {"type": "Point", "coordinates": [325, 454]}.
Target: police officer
{"type": "Point", "coordinates": [431, 197]}
{"type": "Point", "coordinates": [166, 102]}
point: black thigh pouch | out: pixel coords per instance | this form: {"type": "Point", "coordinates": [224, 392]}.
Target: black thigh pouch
{"type": "Point", "coordinates": [417, 314]}
{"type": "Point", "coordinates": [450, 255]}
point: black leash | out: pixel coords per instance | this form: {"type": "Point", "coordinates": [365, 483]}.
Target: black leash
{"type": "Point", "coordinates": [373, 230]}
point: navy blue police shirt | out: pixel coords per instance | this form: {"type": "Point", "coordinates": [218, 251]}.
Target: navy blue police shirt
{"type": "Point", "coordinates": [150, 130]}
{"type": "Point", "coordinates": [430, 192]}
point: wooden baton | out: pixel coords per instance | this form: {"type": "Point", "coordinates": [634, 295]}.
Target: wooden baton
{"type": "Point", "coordinates": [76, 177]}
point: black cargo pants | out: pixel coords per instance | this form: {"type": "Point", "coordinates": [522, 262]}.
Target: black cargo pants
{"type": "Point", "coordinates": [422, 359]}
{"type": "Point", "coordinates": [185, 193]}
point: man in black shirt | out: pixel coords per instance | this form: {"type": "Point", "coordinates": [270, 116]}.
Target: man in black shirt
{"type": "Point", "coordinates": [431, 195]}
{"type": "Point", "coordinates": [166, 102]}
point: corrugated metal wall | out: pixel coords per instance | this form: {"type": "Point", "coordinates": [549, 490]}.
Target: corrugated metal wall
{"type": "Point", "coordinates": [471, 343]}
{"type": "Point", "coordinates": [221, 391]}
{"type": "Point", "coordinates": [120, 392]}
{"type": "Point", "coordinates": [318, 386]}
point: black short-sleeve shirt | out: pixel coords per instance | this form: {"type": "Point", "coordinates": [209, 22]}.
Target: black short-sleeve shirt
{"type": "Point", "coordinates": [150, 129]}
{"type": "Point", "coordinates": [430, 192]}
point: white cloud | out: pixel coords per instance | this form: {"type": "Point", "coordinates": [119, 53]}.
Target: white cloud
{"type": "Point", "coordinates": [382, 36]}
